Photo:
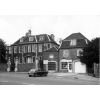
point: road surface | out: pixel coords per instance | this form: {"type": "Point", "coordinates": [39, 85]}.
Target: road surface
{"type": "Point", "coordinates": [12, 78]}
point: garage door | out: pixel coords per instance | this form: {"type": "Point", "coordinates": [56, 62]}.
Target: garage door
{"type": "Point", "coordinates": [79, 67]}
{"type": "Point", "coordinates": [51, 65]}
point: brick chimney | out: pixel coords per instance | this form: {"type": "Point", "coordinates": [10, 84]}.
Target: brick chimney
{"type": "Point", "coordinates": [52, 36]}
{"type": "Point", "coordinates": [28, 33]}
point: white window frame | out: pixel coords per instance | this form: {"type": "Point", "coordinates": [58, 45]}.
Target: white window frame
{"type": "Point", "coordinates": [73, 42]}
{"type": "Point", "coordinates": [31, 38]}
{"type": "Point", "coordinates": [41, 38]}
{"type": "Point", "coordinates": [40, 47]}
{"type": "Point", "coordinates": [15, 49]}
{"type": "Point", "coordinates": [33, 48]}
{"type": "Point", "coordinates": [29, 48]}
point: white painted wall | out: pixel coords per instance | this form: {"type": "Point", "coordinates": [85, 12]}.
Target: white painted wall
{"type": "Point", "coordinates": [79, 67]}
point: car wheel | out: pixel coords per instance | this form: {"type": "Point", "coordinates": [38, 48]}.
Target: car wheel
{"type": "Point", "coordinates": [29, 75]}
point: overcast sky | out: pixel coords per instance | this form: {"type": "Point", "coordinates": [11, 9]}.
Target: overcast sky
{"type": "Point", "coordinates": [14, 27]}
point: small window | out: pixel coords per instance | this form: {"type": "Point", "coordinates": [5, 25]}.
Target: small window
{"type": "Point", "coordinates": [73, 42]}
{"type": "Point", "coordinates": [31, 38]}
{"type": "Point", "coordinates": [21, 40]}
{"type": "Point", "coordinates": [41, 38]}
{"type": "Point", "coordinates": [66, 53]}
{"type": "Point", "coordinates": [48, 46]}
{"type": "Point", "coordinates": [79, 52]}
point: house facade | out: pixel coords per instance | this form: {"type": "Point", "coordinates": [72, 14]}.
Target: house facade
{"type": "Point", "coordinates": [28, 48]}
{"type": "Point", "coordinates": [50, 59]}
{"type": "Point", "coordinates": [69, 52]}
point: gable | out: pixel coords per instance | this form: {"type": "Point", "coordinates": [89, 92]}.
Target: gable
{"type": "Point", "coordinates": [75, 36]}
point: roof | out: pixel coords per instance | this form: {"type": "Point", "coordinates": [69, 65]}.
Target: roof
{"type": "Point", "coordinates": [81, 41]}
{"type": "Point", "coordinates": [53, 49]}
{"type": "Point", "coordinates": [75, 36]}
{"type": "Point", "coordinates": [45, 38]}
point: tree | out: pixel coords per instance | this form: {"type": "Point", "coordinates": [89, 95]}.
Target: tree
{"type": "Point", "coordinates": [2, 51]}
{"type": "Point", "coordinates": [90, 54]}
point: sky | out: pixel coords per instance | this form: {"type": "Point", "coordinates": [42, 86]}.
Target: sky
{"type": "Point", "coordinates": [13, 27]}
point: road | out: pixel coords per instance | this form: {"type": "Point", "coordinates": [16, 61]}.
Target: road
{"type": "Point", "coordinates": [23, 79]}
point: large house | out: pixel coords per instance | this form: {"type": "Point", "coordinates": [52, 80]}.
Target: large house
{"type": "Point", "coordinates": [29, 48]}
{"type": "Point", "coordinates": [69, 52]}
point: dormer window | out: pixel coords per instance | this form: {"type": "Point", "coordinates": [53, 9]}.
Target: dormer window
{"type": "Point", "coordinates": [21, 40]}
{"type": "Point", "coordinates": [73, 42]}
{"type": "Point", "coordinates": [31, 38]}
{"type": "Point", "coordinates": [41, 38]}
{"type": "Point", "coordinates": [86, 41]}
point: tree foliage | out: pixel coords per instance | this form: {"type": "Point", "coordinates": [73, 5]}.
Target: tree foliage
{"type": "Point", "coordinates": [2, 51]}
{"type": "Point", "coordinates": [90, 53]}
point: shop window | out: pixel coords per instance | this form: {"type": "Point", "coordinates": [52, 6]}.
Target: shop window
{"type": "Point", "coordinates": [64, 65]}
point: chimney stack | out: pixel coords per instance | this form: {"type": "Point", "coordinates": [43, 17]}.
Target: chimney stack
{"type": "Point", "coordinates": [28, 33]}
{"type": "Point", "coordinates": [52, 36]}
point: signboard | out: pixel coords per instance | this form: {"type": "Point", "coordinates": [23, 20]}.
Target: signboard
{"type": "Point", "coordinates": [45, 61]}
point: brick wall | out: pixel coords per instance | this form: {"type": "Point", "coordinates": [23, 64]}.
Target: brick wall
{"type": "Point", "coordinates": [25, 67]}
{"type": "Point", "coordinates": [3, 67]}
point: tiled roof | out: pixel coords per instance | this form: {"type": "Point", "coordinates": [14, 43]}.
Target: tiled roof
{"type": "Point", "coordinates": [46, 39]}
{"type": "Point", "coordinates": [53, 49]}
{"type": "Point", "coordinates": [81, 41]}
{"type": "Point", "coordinates": [75, 36]}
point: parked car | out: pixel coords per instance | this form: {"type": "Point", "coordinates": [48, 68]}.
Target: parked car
{"type": "Point", "coordinates": [34, 73]}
